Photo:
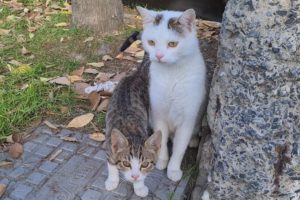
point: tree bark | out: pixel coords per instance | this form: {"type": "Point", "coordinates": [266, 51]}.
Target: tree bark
{"type": "Point", "coordinates": [100, 16]}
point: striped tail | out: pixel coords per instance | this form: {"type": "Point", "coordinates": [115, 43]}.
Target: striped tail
{"type": "Point", "coordinates": [133, 37]}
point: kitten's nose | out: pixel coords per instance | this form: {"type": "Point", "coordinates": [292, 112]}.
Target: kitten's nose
{"type": "Point", "coordinates": [159, 55]}
{"type": "Point", "coordinates": [135, 176]}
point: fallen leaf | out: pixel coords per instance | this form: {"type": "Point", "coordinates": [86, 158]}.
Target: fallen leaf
{"type": "Point", "coordinates": [50, 125]}
{"type": "Point", "coordinates": [2, 189]}
{"type": "Point", "coordinates": [140, 54]}
{"type": "Point", "coordinates": [17, 137]}
{"type": "Point", "coordinates": [32, 29]}
{"type": "Point", "coordinates": [54, 155]}
{"type": "Point", "coordinates": [24, 51]}
{"type": "Point", "coordinates": [106, 58]}
{"type": "Point", "coordinates": [103, 105]}
{"type": "Point", "coordinates": [91, 71]}
{"type": "Point", "coordinates": [81, 121]}
{"type": "Point", "coordinates": [64, 109]}
{"type": "Point", "coordinates": [132, 50]}
{"type": "Point", "coordinates": [119, 76]}
{"type": "Point", "coordinates": [94, 64]}
{"type": "Point", "coordinates": [9, 139]}
{"type": "Point", "coordinates": [97, 136]}
{"type": "Point", "coordinates": [79, 88]}
{"type": "Point", "coordinates": [103, 77]}
{"type": "Point", "coordinates": [4, 31]}
{"type": "Point", "coordinates": [88, 39]}
{"type": "Point", "coordinates": [94, 99]}
{"type": "Point", "coordinates": [43, 79]}
{"type": "Point", "coordinates": [78, 72]}
{"type": "Point", "coordinates": [14, 62]}
{"type": "Point", "coordinates": [120, 56]}
{"type": "Point", "coordinates": [129, 58]}
{"type": "Point", "coordinates": [6, 163]}
{"type": "Point", "coordinates": [62, 24]}
{"type": "Point", "coordinates": [24, 68]}
{"type": "Point", "coordinates": [15, 150]}
{"type": "Point", "coordinates": [69, 139]}
{"type": "Point", "coordinates": [74, 78]}
{"type": "Point", "coordinates": [61, 81]}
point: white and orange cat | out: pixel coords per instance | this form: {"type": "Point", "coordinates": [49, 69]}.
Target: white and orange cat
{"type": "Point", "coordinates": [177, 81]}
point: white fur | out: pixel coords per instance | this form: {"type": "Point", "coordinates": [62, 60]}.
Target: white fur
{"type": "Point", "coordinates": [177, 88]}
{"type": "Point", "coordinates": [113, 179]}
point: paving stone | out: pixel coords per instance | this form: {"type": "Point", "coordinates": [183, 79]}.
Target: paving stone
{"type": "Point", "coordinates": [48, 166]}
{"type": "Point", "coordinates": [55, 142]}
{"type": "Point", "coordinates": [65, 132]}
{"type": "Point", "coordinates": [101, 155]}
{"type": "Point", "coordinates": [68, 146]}
{"type": "Point", "coordinates": [36, 178]}
{"type": "Point", "coordinates": [4, 181]}
{"type": "Point", "coordinates": [19, 172]}
{"type": "Point", "coordinates": [41, 138]}
{"type": "Point", "coordinates": [32, 161]}
{"type": "Point", "coordinates": [86, 151]}
{"type": "Point", "coordinates": [63, 156]}
{"type": "Point", "coordinates": [43, 151]}
{"type": "Point", "coordinates": [29, 146]}
{"type": "Point", "coordinates": [21, 191]}
{"type": "Point", "coordinates": [91, 195]}
{"type": "Point", "coordinates": [93, 142]}
{"type": "Point", "coordinates": [67, 181]}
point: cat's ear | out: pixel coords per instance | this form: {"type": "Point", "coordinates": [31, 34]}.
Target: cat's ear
{"type": "Point", "coordinates": [118, 141]}
{"type": "Point", "coordinates": [188, 18]}
{"type": "Point", "coordinates": [148, 16]}
{"type": "Point", "coordinates": [154, 141]}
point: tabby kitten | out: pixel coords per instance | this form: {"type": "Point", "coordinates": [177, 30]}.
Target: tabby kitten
{"type": "Point", "coordinates": [129, 148]}
{"type": "Point", "coordinates": [177, 81]}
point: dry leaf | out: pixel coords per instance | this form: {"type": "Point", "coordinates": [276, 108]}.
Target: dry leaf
{"type": "Point", "coordinates": [94, 64]}
{"type": "Point", "coordinates": [15, 150]}
{"type": "Point", "coordinates": [132, 49]}
{"type": "Point", "coordinates": [81, 121]}
{"type": "Point", "coordinates": [97, 136]}
{"type": "Point", "coordinates": [106, 58]}
{"type": "Point", "coordinates": [120, 56]}
{"type": "Point", "coordinates": [32, 29]}
{"type": "Point", "coordinates": [4, 31]}
{"type": "Point", "coordinates": [64, 109]}
{"type": "Point", "coordinates": [43, 79]}
{"type": "Point", "coordinates": [78, 72]}
{"type": "Point", "coordinates": [119, 76]}
{"type": "Point", "coordinates": [9, 139]}
{"type": "Point", "coordinates": [61, 81]}
{"type": "Point", "coordinates": [6, 163]}
{"type": "Point", "coordinates": [103, 77]}
{"type": "Point", "coordinates": [14, 62]}
{"type": "Point", "coordinates": [91, 71]}
{"type": "Point", "coordinates": [94, 99]}
{"type": "Point", "coordinates": [103, 105]}
{"type": "Point", "coordinates": [50, 125]}
{"type": "Point", "coordinates": [69, 139]}
{"type": "Point", "coordinates": [129, 58]}
{"type": "Point", "coordinates": [79, 88]}
{"type": "Point", "coordinates": [54, 155]}
{"type": "Point", "coordinates": [89, 39]}
{"type": "Point", "coordinates": [2, 189]}
{"type": "Point", "coordinates": [24, 51]}
{"type": "Point", "coordinates": [74, 78]}
{"type": "Point", "coordinates": [62, 24]}
{"type": "Point", "coordinates": [140, 54]}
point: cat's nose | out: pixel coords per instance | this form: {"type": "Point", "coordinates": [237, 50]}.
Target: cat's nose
{"type": "Point", "coordinates": [159, 55]}
{"type": "Point", "coordinates": [135, 176]}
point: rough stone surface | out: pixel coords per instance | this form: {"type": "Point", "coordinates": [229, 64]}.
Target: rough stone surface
{"type": "Point", "coordinates": [254, 104]}
{"type": "Point", "coordinates": [78, 172]}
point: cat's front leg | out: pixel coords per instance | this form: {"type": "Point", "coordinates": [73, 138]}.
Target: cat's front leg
{"type": "Point", "coordinates": [140, 189]}
{"type": "Point", "coordinates": [181, 140]}
{"type": "Point", "coordinates": [112, 180]}
{"type": "Point", "coordinates": [163, 155]}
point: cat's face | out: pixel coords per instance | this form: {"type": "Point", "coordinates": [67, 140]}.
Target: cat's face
{"type": "Point", "coordinates": [168, 35]}
{"type": "Point", "coordinates": [135, 161]}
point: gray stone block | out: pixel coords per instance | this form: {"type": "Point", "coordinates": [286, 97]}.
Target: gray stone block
{"type": "Point", "coordinates": [29, 146]}
{"type": "Point", "coordinates": [41, 138]}
{"type": "Point", "coordinates": [68, 146]}
{"type": "Point", "coordinates": [19, 172]}
{"type": "Point", "coordinates": [55, 142]}
{"type": "Point", "coordinates": [48, 166]}
{"type": "Point", "coordinates": [43, 151]}
{"type": "Point", "coordinates": [63, 156]}
{"type": "Point", "coordinates": [91, 195]}
{"type": "Point", "coordinates": [101, 155]}
{"type": "Point", "coordinates": [21, 191]}
{"type": "Point", "coordinates": [36, 178]}
{"type": "Point", "coordinates": [86, 151]}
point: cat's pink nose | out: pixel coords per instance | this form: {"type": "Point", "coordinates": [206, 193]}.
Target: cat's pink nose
{"type": "Point", "coordinates": [135, 177]}
{"type": "Point", "coordinates": [159, 55]}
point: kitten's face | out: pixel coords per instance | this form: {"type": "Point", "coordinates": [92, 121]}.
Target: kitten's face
{"type": "Point", "coordinates": [134, 161]}
{"type": "Point", "coordinates": [168, 35]}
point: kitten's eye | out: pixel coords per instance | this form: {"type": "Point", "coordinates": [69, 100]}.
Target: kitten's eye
{"type": "Point", "coordinates": [126, 163]}
{"type": "Point", "coordinates": [145, 164]}
{"type": "Point", "coordinates": [172, 44]}
{"type": "Point", "coordinates": [151, 42]}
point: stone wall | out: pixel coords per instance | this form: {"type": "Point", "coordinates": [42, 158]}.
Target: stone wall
{"type": "Point", "coordinates": [254, 105]}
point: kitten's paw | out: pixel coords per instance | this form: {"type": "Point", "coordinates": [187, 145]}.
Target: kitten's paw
{"type": "Point", "coordinates": [111, 185]}
{"type": "Point", "coordinates": [161, 164]}
{"type": "Point", "coordinates": [141, 191]}
{"type": "Point", "coordinates": [174, 175]}
{"type": "Point", "coordinates": [194, 142]}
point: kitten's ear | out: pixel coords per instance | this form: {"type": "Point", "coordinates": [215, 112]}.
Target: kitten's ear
{"type": "Point", "coordinates": [118, 141]}
{"type": "Point", "coordinates": [147, 15]}
{"type": "Point", "coordinates": [154, 141]}
{"type": "Point", "coordinates": [188, 18]}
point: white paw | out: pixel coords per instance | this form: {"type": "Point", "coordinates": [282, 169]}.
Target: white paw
{"type": "Point", "coordinates": [141, 191]}
{"type": "Point", "coordinates": [111, 185]}
{"type": "Point", "coordinates": [174, 175]}
{"type": "Point", "coordinates": [194, 142]}
{"type": "Point", "coordinates": [161, 164]}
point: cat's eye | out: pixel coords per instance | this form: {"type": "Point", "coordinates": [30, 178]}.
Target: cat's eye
{"type": "Point", "coordinates": [172, 44]}
{"type": "Point", "coordinates": [151, 42]}
{"type": "Point", "coordinates": [145, 164]}
{"type": "Point", "coordinates": [126, 163]}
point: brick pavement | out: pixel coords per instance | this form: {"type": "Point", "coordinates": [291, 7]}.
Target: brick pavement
{"type": "Point", "coordinates": [78, 172]}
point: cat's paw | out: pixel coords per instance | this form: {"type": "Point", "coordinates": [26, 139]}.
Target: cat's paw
{"type": "Point", "coordinates": [174, 175]}
{"type": "Point", "coordinates": [111, 185]}
{"type": "Point", "coordinates": [141, 191]}
{"type": "Point", "coordinates": [161, 164]}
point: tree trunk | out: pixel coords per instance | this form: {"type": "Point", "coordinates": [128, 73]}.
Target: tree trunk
{"type": "Point", "coordinates": [100, 16]}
